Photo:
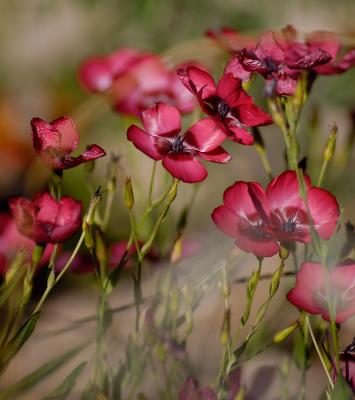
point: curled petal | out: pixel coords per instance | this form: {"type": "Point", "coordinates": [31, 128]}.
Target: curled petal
{"type": "Point", "coordinates": [92, 153]}
{"type": "Point", "coordinates": [185, 167]}
{"type": "Point", "coordinates": [235, 68]}
{"type": "Point", "coordinates": [205, 135]}
{"type": "Point", "coordinates": [143, 142]}
{"type": "Point", "coordinates": [311, 59]}
{"type": "Point", "coordinates": [251, 63]}
{"type": "Point", "coordinates": [197, 81]}
{"type": "Point", "coordinates": [162, 120]}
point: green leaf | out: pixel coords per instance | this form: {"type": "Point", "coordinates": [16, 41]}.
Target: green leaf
{"type": "Point", "coordinates": [39, 374]}
{"type": "Point", "coordinates": [26, 330]}
{"type": "Point", "coordinates": [64, 389]}
{"type": "Point", "coordinates": [342, 390]}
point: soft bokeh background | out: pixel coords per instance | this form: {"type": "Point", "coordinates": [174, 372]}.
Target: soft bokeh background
{"type": "Point", "coordinates": [42, 42]}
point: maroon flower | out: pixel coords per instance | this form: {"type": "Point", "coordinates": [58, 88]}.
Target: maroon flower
{"type": "Point", "coordinates": [192, 391]}
{"type": "Point", "coordinates": [11, 242]}
{"type": "Point", "coordinates": [55, 141]}
{"type": "Point", "coordinates": [316, 288]}
{"type": "Point", "coordinates": [280, 60]}
{"type": "Point", "coordinates": [342, 59]}
{"type": "Point", "coordinates": [162, 140]}
{"type": "Point", "coordinates": [227, 103]}
{"type": "Point", "coordinates": [46, 220]}
{"type": "Point", "coordinates": [259, 220]}
{"type": "Point", "coordinates": [135, 81]}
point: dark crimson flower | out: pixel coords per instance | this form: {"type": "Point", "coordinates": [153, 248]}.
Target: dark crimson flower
{"type": "Point", "coordinates": [135, 81]}
{"type": "Point", "coordinates": [55, 141]}
{"type": "Point", "coordinates": [280, 60]}
{"type": "Point", "coordinates": [192, 391]}
{"type": "Point", "coordinates": [347, 364]}
{"type": "Point", "coordinates": [259, 220]}
{"type": "Point", "coordinates": [342, 59]}
{"type": "Point", "coordinates": [316, 288]}
{"type": "Point", "coordinates": [46, 220]}
{"type": "Point", "coordinates": [162, 140]}
{"type": "Point", "coordinates": [11, 242]}
{"type": "Point", "coordinates": [227, 103]}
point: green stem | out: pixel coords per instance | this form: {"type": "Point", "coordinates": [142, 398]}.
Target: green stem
{"type": "Point", "coordinates": [264, 160]}
{"type": "Point", "coordinates": [322, 172]}
{"type": "Point", "coordinates": [151, 184]}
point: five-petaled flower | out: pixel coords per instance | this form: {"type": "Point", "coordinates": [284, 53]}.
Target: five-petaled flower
{"type": "Point", "coordinates": [227, 103]}
{"type": "Point", "coordinates": [259, 220]}
{"type": "Point", "coordinates": [134, 81]}
{"type": "Point", "coordinates": [162, 140]}
{"type": "Point", "coordinates": [319, 290]}
{"type": "Point", "coordinates": [280, 60]}
{"type": "Point", "coordinates": [55, 141]}
{"type": "Point", "coordinates": [46, 220]}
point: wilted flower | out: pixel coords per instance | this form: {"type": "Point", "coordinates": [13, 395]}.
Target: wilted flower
{"type": "Point", "coordinates": [341, 60]}
{"type": "Point", "coordinates": [135, 81]}
{"type": "Point", "coordinates": [11, 242]}
{"type": "Point", "coordinates": [55, 141]}
{"type": "Point", "coordinates": [317, 288]}
{"type": "Point", "coordinates": [192, 391]}
{"type": "Point", "coordinates": [162, 140]}
{"type": "Point", "coordinates": [227, 103]}
{"type": "Point", "coordinates": [259, 220]}
{"type": "Point", "coordinates": [46, 220]}
{"type": "Point", "coordinates": [280, 59]}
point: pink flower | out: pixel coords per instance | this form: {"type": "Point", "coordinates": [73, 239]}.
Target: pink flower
{"type": "Point", "coordinates": [180, 153]}
{"type": "Point", "coordinates": [46, 220]}
{"type": "Point", "coordinates": [280, 59]}
{"type": "Point", "coordinates": [341, 60]}
{"type": "Point", "coordinates": [259, 220]}
{"type": "Point", "coordinates": [227, 103]}
{"type": "Point", "coordinates": [11, 242]}
{"type": "Point", "coordinates": [135, 81]}
{"type": "Point", "coordinates": [192, 391]}
{"type": "Point", "coordinates": [230, 39]}
{"type": "Point", "coordinates": [316, 287]}
{"type": "Point", "coordinates": [55, 141]}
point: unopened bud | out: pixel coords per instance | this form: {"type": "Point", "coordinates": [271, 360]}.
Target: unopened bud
{"type": "Point", "coordinates": [283, 253]}
{"type": "Point", "coordinates": [282, 335]}
{"type": "Point", "coordinates": [37, 254]}
{"type": "Point", "coordinates": [331, 143]}
{"type": "Point", "coordinates": [173, 192]}
{"type": "Point", "coordinates": [128, 193]}
{"type": "Point", "coordinates": [177, 251]}
{"type": "Point", "coordinates": [225, 331]}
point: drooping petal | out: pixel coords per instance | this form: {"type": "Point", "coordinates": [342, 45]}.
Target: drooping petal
{"type": "Point", "coordinates": [240, 135]}
{"type": "Point", "coordinates": [161, 120]}
{"type": "Point", "coordinates": [185, 167]}
{"type": "Point", "coordinates": [311, 59]}
{"type": "Point", "coordinates": [197, 81]}
{"type": "Point", "coordinates": [143, 142]}
{"type": "Point", "coordinates": [218, 155]}
{"type": "Point", "coordinates": [92, 152]}
{"type": "Point", "coordinates": [205, 135]}
{"type": "Point", "coordinates": [251, 115]}
{"type": "Point", "coordinates": [260, 248]}
{"type": "Point", "coordinates": [283, 191]}
{"type": "Point", "coordinates": [324, 210]}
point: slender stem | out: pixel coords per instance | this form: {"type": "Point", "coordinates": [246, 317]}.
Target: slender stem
{"type": "Point", "coordinates": [151, 183]}
{"type": "Point", "coordinates": [264, 160]}
{"type": "Point", "coordinates": [61, 273]}
{"type": "Point", "coordinates": [322, 172]}
{"type": "Point", "coordinates": [318, 351]}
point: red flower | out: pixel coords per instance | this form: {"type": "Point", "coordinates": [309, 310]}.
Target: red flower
{"type": "Point", "coordinates": [227, 103]}
{"type": "Point", "coordinates": [45, 220]}
{"type": "Point", "coordinates": [162, 140]}
{"type": "Point", "coordinates": [11, 242]}
{"type": "Point", "coordinates": [280, 59]}
{"type": "Point", "coordinates": [316, 287]}
{"type": "Point", "coordinates": [135, 81]}
{"type": "Point", "coordinates": [341, 61]}
{"type": "Point", "coordinates": [192, 391]}
{"type": "Point", "coordinates": [55, 141]}
{"type": "Point", "coordinates": [259, 220]}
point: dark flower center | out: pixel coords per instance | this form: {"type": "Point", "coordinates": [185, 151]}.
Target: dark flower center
{"type": "Point", "coordinates": [223, 108]}
{"type": "Point", "coordinates": [177, 145]}
{"type": "Point", "coordinates": [270, 64]}
{"type": "Point", "coordinates": [218, 106]}
{"type": "Point", "coordinates": [289, 226]}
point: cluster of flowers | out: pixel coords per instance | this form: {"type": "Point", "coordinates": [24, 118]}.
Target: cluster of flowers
{"type": "Point", "coordinates": [260, 221]}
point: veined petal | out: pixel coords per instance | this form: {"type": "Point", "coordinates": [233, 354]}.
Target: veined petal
{"type": "Point", "coordinates": [184, 167]}
{"type": "Point", "coordinates": [161, 120]}
{"type": "Point", "coordinates": [69, 137]}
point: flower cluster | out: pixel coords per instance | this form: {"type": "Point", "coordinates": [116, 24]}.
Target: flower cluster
{"type": "Point", "coordinates": [259, 220]}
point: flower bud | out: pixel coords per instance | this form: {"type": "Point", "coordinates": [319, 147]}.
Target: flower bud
{"type": "Point", "coordinates": [177, 251]}
{"type": "Point", "coordinates": [225, 331]}
{"type": "Point", "coordinates": [128, 193]}
{"type": "Point", "coordinates": [283, 334]}
{"type": "Point", "coordinates": [331, 143]}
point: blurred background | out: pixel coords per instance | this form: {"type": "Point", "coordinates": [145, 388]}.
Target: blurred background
{"type": "Point", "coordinates": [42, 44]}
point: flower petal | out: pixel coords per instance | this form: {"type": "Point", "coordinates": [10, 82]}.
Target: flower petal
{"type": "Point", "coordinates": [143, 142]}
{"type": "Point", "coordinates": [186, 168]}
{"type": "Point", "coordinates": [162, 120]}
{"type": "Point", "coordinates": [92, 152]}
{"type": "Point", "coordinates": [95, 75]}
{"type": "Point", "coordinates": [197, 81]}
{"type": "Point", "coordinates": [251, 115]}
{"type": "Point", "coordinates": [260, 248]}
{"type": "Point", "coordinates": [69, 137]}
{"type": "Point", "coordinates": [240, 135]}
{"type": "Point", "coordinates": [226, 221]}
{"type": "Point", "coordinates": [68, 220]}
{"type": "Point", "coordinates": [235, 68]}
{"type": "Point", "coordinates": [218, 155]}
{"type": "Point", "coordinates": [205, 135]}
